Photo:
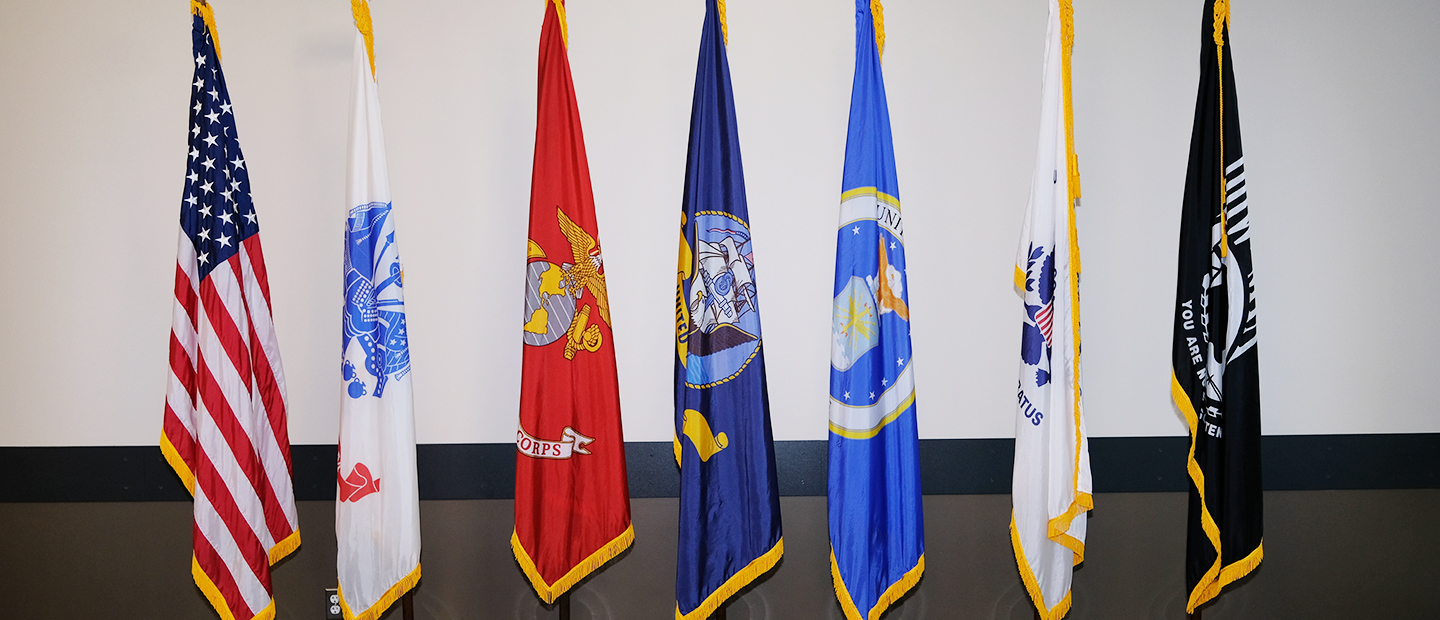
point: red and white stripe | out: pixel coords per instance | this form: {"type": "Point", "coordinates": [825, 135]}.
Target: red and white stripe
{"type": "Point", "coordinates": [225, 429]}
{"type": "Point", "coordinates": [1045, 319]}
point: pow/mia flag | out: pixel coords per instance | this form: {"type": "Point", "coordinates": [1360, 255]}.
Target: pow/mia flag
{"type": "Point", "coordinates": [1216, 380]}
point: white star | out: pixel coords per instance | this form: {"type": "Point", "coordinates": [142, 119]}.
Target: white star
{"type": "Point", "coordinates": [224, 240]}
{"type": "Point", "coordinates": [213, 116]}
{"type": "Point", "coordinates": [225, 108]}
{"type": "Point", "coordinates": [199, 83]}
{"type": "Point", "coordinates": [892, 245]}
{"type": "Point", "coordinates": [204, 232]}
{"type": "Point", "coordinates": [208, 187]}
{"type": "Point", "coordinates": [900, 362]}
{"type": "Point", "coordinates": [238, 162]}
{"type": "Point", "coordinates": [209, 163]}
{"type": "Point", "coordinates": [195, 131]}
{"type": "Point", "coordinates": [204, 257]}
{"type": "Point", "coordinates": [250, 217]}
{"type": "Point", "coordinates": [194, 153]}
{"type": "Point", "coordinates": [884, 382]}
{"type": "Point", "coordinates": [225, 217]}
{"type": "Point", "coordinates": [197, 107]}
{"type": "Point", "coordinates": [193, 176]}
{"type": "Point", "coordinates": [199, 60]}
{"type": "Point", "coordinates": [205, 210]}
{"type": "Point", "coordinates": [190, 200]}
{"type": "Point", "coordinates": [226, 194]}
{"type": "Point", "coordinates": [872, 395]}
{"type": "Point", "coordinates": [210, 139]}
{"type": "Point", "coordinates": [213, 94]}
{"type": "Point", "coordinates": [857, 230]}
{"type": "Point", "coordinates": [234, 183]}
{"type": "Point", "coordinates": [847, 396]}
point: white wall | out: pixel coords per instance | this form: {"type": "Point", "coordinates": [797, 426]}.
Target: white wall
{"type": "Point", "coordinates": [1338, 104]}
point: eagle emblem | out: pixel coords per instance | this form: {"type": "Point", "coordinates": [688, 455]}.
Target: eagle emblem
{"type": "Point", "coordinates": [553, 291]}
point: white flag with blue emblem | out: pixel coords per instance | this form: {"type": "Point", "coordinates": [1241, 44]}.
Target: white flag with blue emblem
{"type": "Point", "coordinates": [377, 511]}
{"type": "Point", "coordinates": [1051, 488]}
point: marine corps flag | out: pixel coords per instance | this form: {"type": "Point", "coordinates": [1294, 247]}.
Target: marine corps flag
{"type": "Point", "coordinates": [225, 406]}
{"type": "Point", "coordinates": [877, 531]}
{"type": "Point", "coordinates": [377, 507]}
{"type": "Point", "coordinates": [1216, 379]}
{"type": "Point", "coordinates": [729, 500]}
{"type": "Point", "coordinates": [572, 504]}
{"type": "Point", "coordinates": [1051, 488]}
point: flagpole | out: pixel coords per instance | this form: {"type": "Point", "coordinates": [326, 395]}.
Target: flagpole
{"type": "Point", "coordinates": [564, 601]}
{"type": "Point", "coordinates": [407, 605]}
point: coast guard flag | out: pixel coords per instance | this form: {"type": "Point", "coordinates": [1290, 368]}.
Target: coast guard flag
{"type": "Point", "coordinates": [729, 500]}
{"type": "Point", "coordinates": [1051, 487]}
{"type": "Point", "coordinates": [224, 430]}
{"type": "Point", "coordinates": [572, 503]}
{"type": "Point", "coordinates": [877, 530]}
{"type": "Point", "coordinates": [377, 512]}
{"type": "Point", "coordinates": [1216, 378]}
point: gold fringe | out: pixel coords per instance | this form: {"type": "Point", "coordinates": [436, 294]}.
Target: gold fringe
{"type": "Point", "coordinates": [887, 598]}
{"type": "Point", "coordinates": [1217, 576]}
{"type": "Point", "coordinates": [381, 606]}
{"type": "Point", "coordinates": [202, 8]}
{"type": "Point", "coordinates": [285, 547]}
{"type": "Point", "coordinates": [177, 463]}
{"type": "Point", "coordinates": [734, 584]}
{"type": "Point", "coordinates": [877, 14]}
{"type": "Point", "coordinates": [1032, 586]}
{"type": "Point", "coordinates": [217, 600]}
{"type": "Point", "coordinates": [724, 28]}
{"type": "Point", "coordinates": [361, 10]}
{"type": "Point", "coordinates": [560, 13]}
{"type": "Point", "coordinates": [549, 592]}
{"type": "Point", "coordinates": [1230, 573]}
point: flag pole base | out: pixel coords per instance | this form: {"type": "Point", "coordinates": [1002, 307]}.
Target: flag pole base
{"type": "Point", "coordinates": [407, 605]}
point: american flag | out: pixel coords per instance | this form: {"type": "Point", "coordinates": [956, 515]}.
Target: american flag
{"type": "Point", "coordinates": [225, 426]}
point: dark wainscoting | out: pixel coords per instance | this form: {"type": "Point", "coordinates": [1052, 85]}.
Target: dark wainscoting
{"type": "Point", "coordinates": [948, 467]}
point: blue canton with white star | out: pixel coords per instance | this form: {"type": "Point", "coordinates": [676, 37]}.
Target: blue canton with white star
{"type": "Point", "coordinates": [216, 212]}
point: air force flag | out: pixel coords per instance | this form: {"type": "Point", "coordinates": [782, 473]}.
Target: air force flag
{"type": "Point", "coordinates": [377, 512]}
{"type": "Point", "coordinates": [729, 499]}
{"type": "Point", "coordinates": [877, 532]}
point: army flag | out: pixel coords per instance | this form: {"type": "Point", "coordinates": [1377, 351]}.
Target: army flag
{"type": "Point", "coordinates": [729, 498]}
{"type": "Point", "coordinates": [377, 508]}
{"type": "Point", "coordinates": [1051, 486]}
{"type": "Point", "coordinates": [877, 530]}
{"type": "Point", "coordinates": [1216, 378]}
{"type": "Point", "coordinates": [572, 503]}
{"type": "Point", "coordinates": [224, 429]}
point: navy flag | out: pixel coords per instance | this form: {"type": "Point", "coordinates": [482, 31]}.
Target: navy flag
{"type": "Point", "coordinates": [729, 500]}
{"type": "Point", "coordinates": [877, 529]}
{"type": "Point", "coordinates": [1216, 379]}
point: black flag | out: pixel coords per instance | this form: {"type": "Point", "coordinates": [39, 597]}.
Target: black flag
{"type": "Point", "coordinates": [1216, 380]}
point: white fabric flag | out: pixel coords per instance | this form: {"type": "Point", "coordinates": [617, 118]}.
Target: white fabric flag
{"type": "Point", "coordinates": [377, 512]}
{"type": "Point", "coordinates": [1051, 488]}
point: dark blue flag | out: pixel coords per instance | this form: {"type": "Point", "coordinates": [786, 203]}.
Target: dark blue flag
{"type": "Point", "coordinates": [729, 500]}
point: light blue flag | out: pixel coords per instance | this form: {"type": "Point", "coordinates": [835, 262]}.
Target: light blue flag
{"type": "Point", "coordinates": [877, 530]}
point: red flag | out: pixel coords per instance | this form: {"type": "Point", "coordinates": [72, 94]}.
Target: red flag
{"type": "Point", "coordinates": [572, 503]}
